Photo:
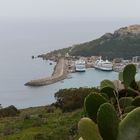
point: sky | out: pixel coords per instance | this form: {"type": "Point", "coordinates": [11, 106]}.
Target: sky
{"type": "Point", "coordinates": [69, 9]}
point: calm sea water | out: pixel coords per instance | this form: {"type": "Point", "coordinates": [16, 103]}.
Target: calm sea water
{"type": "Point", "coordinates": [19, 40]}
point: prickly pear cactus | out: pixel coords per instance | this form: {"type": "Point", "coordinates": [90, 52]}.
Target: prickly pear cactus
{"type": "Point", "coordinates": [105, 95]}
{"type": "Point", "coordinates": [136, 101]}
{"type": "Point", "coordinates": [92, 103]}
{"type": "Point", "coordinates": [88, 130]}
{"type": "Point", "coordinates": [124, 115]}
{"type": "Point", "coordinates": [107, 87]}
{"type": "Point", "coordinates": [129, 128]}
{"type": "Point", "coordinates": [107, 83]}
{"type": "Point", "coordinates": [108, 121]}
{"type": "Point", "coordinates": [125, 102]}
{"type": "Point", "coordinates": [80, 138]}
{"type": "Point", "coordinates": [131, 92]}
{"type": "Point", "coordinates": [108, 90]}
{"type": "Point", "coordinates": [103, 122]}
{"type": "Point", "coordinates": [129, 73]}
{"type": "Point", "coordinates": [129, 109]}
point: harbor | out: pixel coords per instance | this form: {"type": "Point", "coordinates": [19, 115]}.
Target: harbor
{"type": "Point", "coordinates": [67, 65]}
{"type": "Point", "coordinates": [37, 93]}
{"type": "Point", "coordinates": [97, 62]}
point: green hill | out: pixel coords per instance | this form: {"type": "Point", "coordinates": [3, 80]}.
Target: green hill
{"type": "Point", "coordinates": [124, 42]}
{"type": "Point", "coordinates": [57, 121]}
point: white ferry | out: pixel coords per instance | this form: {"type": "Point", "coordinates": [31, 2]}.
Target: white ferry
{"type": "Point", "coordinates": [103, 65]}
{"type": "Point", "coordinates": [80, 66]}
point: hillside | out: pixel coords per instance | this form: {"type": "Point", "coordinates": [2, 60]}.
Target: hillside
{"type": "Point", "coordinates": [40, 123]}
{"type": "Point", "coordinates": [124, 42]}
{"type": "Point", "coordinates": [53, 122]}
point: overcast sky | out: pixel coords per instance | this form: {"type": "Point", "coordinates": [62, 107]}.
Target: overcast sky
{"type": "Point", "coordinates": [69, 8]}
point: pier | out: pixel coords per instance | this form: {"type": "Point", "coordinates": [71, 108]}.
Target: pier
{"type": "Point", "coordinates": [60, 72]}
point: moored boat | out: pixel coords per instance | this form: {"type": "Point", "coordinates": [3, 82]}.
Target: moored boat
{"type": "Point", "coordinates": [80, 66]}
{"type": "Point", "coordinates": [103, 65]}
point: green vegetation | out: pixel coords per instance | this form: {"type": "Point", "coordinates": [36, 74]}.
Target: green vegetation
{"type": "Point", "coordinates": [55, 122]}
{"type": "Point", "coordinates": [88, 129]}
{"type": "Point", "coordinates": [73, 98]}
{"type": "Point", "coordinates": [114, 47]}
{"type": "Point", "coordinates": [122, 44]}
{"type": "Point", "coordinates": [117, 118]}
{"type": "Point", "coordinates": [56, 53]}
{"type": "Point", "coordinates": [108, 124]}
{"type": "Point", "coordinates": [9, 111]}
{"type": "Point", "coordinates": [92, 104]}
{"type": "Point", "coordinates": [41, 123]}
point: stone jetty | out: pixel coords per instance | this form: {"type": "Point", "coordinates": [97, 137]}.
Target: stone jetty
{"type": "Point", "coordinates": [60, 72]}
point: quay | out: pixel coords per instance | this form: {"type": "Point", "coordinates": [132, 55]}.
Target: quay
{"type": "Point", "coordinates": [60, 73]}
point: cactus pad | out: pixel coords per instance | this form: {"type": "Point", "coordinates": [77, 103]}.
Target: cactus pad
{"type": "Point", "coordinates": [129, 128]}
{"type": "Point", "coordinates": [108, 121]}
{"type": "Point", "coordinates": [136, 101]}
{"type": "Point", "coordinates": [129, 73]}
{"type": "Point", "coordinates": [88, 130]}
{"type": "Point", "coordinates": [125, 102]}
{"type": "Point", "coordinates": [92, 103]}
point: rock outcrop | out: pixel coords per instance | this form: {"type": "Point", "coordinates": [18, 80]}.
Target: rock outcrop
{"type": "Point", "coordinates": [130, 30]}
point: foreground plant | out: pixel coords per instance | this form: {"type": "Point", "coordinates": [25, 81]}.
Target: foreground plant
{"type": "Point", "coordinates": [113, 114]}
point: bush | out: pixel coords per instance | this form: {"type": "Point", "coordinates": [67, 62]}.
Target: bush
{"type": "Point", "coordinates": [9, 111]}
{"type": "Point", "coordinates": [71, 99]}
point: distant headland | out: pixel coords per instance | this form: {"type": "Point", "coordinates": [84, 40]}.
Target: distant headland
{"type": "Point", "coordinates": [123, 43]}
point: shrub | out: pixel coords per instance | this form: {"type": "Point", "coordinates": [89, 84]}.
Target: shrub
{"type": "Point", "coordinates": [71, 99]}
{"type": "Point", "coordinates": [9, 111]}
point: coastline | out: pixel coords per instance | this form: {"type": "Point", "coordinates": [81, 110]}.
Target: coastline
{"type": "Point", "coordinates": [59, 73]}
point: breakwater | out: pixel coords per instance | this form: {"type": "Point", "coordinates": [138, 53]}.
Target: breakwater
{"type": "Point", "coordinates": [59, 73]}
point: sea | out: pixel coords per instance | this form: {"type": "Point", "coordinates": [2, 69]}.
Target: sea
{"type": "Point", "coordinates": [20, 39]}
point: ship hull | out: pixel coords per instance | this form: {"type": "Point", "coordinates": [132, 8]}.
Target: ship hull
{"type": "Point", "coordinates": [80, 70]}
{"type": "Point", "coordinates": [103, 68]}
